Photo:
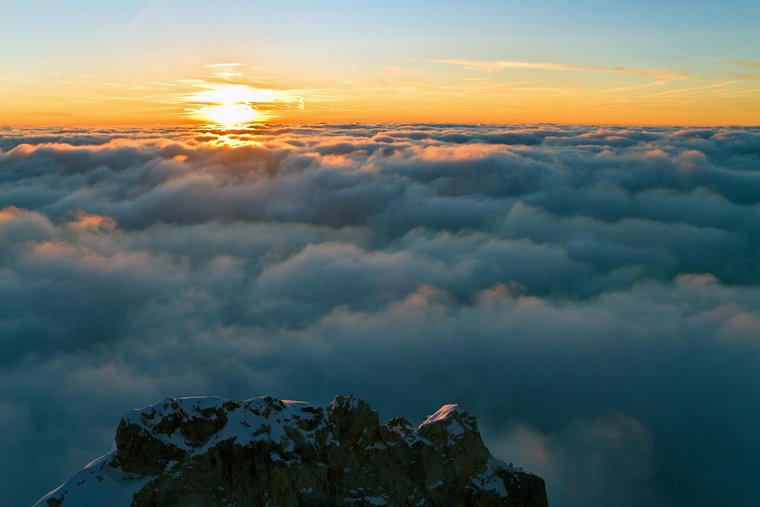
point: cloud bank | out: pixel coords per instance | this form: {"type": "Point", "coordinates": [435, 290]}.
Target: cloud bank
{"type": "Point", "coordinates": [591, 294]}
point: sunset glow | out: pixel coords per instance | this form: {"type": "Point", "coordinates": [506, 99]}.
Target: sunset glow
{"type": "Point", "coordinates": [568, 63]}
{"type": "Point", "coordinates": [236, 104]}
{"type": "Point", "coordinates": [229, 114]}
{"type": "Point", "coordinates": [544, 213]}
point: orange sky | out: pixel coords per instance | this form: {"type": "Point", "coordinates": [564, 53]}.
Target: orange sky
{"type": "Point", "coordinates": [392, 95]}
{"type": "Point", "coordinates": [167, 62]}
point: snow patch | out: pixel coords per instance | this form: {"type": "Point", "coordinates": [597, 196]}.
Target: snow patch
{"type": "Point", "coordinates": [442, 414]}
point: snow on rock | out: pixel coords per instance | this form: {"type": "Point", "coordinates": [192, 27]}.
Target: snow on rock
{"type": "Point", "coordinates": [264, 451]}
{"type": "Point", "coordinates": [443, 413]}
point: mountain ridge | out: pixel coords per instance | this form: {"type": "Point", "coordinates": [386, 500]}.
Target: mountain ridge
{"type": "Point", "coordinates": [211, 451]}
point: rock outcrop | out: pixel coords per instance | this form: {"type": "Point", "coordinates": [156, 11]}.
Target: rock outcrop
{"type": "Point", "coordinates": [268, 452]}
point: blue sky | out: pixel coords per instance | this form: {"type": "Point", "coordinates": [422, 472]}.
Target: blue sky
{"type": "Point", "coordinates": [312, 45]}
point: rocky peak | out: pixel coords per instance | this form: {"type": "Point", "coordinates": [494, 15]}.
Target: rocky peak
{"type": "Point", "coordinates": [449, 421]}
{"type": "Point", "coordinates": [264, 451]}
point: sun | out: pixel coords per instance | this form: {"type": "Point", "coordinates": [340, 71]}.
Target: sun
{"type": "Point", "coordinates": [230, 114]}
{"type": "Point", "coordinates": [230, 105]}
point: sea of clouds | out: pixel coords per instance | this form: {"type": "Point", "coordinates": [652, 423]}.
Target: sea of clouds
{"type": "Point", "coordinates": [591, 294]}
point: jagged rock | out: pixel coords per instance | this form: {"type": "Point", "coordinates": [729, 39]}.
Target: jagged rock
{"type": "Point", "coordinates": [268, 452]}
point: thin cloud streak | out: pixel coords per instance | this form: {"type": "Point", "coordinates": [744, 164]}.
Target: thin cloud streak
{"type": "Point", "coordinates": [748, 64]}
{"type": "Point", "coordinates": [755, 64]}
{"type": "Point", "coordinates": [498, 65]}
{"type": "Point", "coordinates": [623, 89]}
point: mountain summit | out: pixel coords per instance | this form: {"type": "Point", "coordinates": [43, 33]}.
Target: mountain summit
{"type": "Point", "coordinates": [209, 451]}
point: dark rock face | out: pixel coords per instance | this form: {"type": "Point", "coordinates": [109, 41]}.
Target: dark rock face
{"type": "Point", "coordinates": [269, 452]}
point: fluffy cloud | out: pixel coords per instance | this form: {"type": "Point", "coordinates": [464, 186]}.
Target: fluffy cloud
{"type": "Point", "coordinates": [592, 294]}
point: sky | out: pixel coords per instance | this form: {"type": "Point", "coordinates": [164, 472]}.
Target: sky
{"type": "Point", "coordinates": [151, 62]}
{"type": "Point", "coordinates": [546, 212]}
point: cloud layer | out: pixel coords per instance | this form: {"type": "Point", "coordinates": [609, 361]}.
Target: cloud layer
{"type": "Point", "coordinates": [592, 294]}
